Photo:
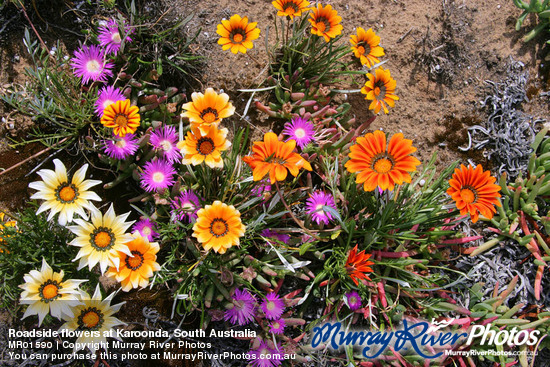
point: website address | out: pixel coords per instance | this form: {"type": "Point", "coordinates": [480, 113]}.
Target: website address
{"type": "Point", "coordinates": [491, 352]}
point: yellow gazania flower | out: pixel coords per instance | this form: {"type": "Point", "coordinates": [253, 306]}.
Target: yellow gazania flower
{"type": "Point", "coordinates": [63, 196]}
{"type": "Point", "coordinates": [135, 270]}
{"type": "Point", "coordinates": [46, 292]}
{"type": "Point", "coordinates": [218, 227]}
{"type": "Point", "coordinates": [94, 317]}
{"type": "Point", "coordinates": [380, 89]}
{"type": "Point", "coordinates": [325, 22]}
{"type": "Point", "coordinates": [196, 148]}
{"type": "Point", "coordinates": [290, 8]}
{"type": "Point", "coordinates": [3, 225]}
{"type": "Point", "coordinates": [237, 34]}
{"type": "Point", "coordinates": [365, 46]}
{"type": "Point", "coordinates": [121, 117]}
{"type": "Point", "coordinates": [207, 109]}
{"type": "Point", "coordinates": [102, 240]}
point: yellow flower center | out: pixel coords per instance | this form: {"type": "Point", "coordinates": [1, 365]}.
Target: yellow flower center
{"type": "Point", "coordinates": [219, 227]}
{"type": "Point", "coordinates": [66, 193]}
{"type": "Point", "coordinates": [205, 146]}
{"type": "Point", "coordinates": [275, 325]}
{"type": "Point", "coordinates": [121, 119]}
{"type": "Point", "coordinates": [158, 177]}
{"type": "Point", "coordinates": [290, 8]}
{"type": "Point", "coordinates": [93, 66]}
{"type": "Point", "coordinates": [49, 291]}
{"type": "Point", "coordinates": [238, 38]}
{"type": "Point", "coordinates": [146, 231]}
{"type": "Point", "coordinates": [322, 24]}
{"type": "Point", "coordinates": [382, 165]}
{"type": "Point", "coordinates": [379, 89]}
{"type": "Point", "coordinates": [136, 261]}
{"type": "Point", "coordinates": [468, 194]}
{"type": "Point", "coordinates": [209, 115]}
{"type": "Point", "coordinates": [353, 300]}
{"type": "Point", "coordinates": [166, 145]}
{"type": "Point", "coordinates": [107, 103]}
{"type": "Point", "coordinates": [363, 48]}
{"type": "Point", "coordinates": [319, 208]}
{"type": "Point", "coordinates": [102, 239]}
{"type": "Point", "coordinates": [90, 318]}
{"type": "Point", "coordinates": [116, 37]}
{"type": "Point", "coordinates": [270, 305]}
{"type": "Point", "coordinates": [121, 143]}
{"type": "Point", "coordinates": [300, 133]}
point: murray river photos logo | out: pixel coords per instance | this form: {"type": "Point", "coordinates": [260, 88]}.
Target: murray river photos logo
{"type": "Point", "coordinates": [425, 339]}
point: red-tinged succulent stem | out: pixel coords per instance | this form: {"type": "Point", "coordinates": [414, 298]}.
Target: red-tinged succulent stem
{"type": "Point", "coordinates": [456, 241]}
{"type": "Point", "coordinates": [538, 281]}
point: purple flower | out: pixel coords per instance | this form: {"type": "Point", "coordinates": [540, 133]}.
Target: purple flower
{"type": "Point", "coordinates": [89, 63]}
{"type": "Point", "coordinates": [264, 356]}
{"type": "Point", "coordinates": [106, 96]}
{"type": "Point", "coordinates": [314, 206]}
{"type": "Point", "coordinates": [260, 188]}
{"type": "Point", "coordinates": [185, 205]}
{"type": "Point", "coordinates": [157, 175]}
{"type": "Point", "coordinates": [300, 130]}
{"type": "Point", "coordinates": [146, 228]}
{"type": "Point", "coordinates": [354, 300]}
{"type": "Point", "coordinates": [242, 308]}
{"type": "Point", "coordinates": [277, 326]}
{"type": "Point", "coordinates": [273, 306]}
{"type": "Point", "coordinates": [110, 38]}
{"type": "Point", "coordinates": [284, 238]}
{"type": "Point", "coordinates": [165, 140]}
{"type": "Point", "coordinates": [121, 148]}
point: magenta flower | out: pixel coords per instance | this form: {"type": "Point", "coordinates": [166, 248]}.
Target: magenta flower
{"type": "Point", "coordinates": [284, 238]}
{"type": "Point", "coordinates": [185, 205]}
{"type": "Point", "coordinates": [165, 140]}
{"type": "Point", "coordinates": [273, 306]}
{"type": "Point", "coordinates": [121, 148]}
{"type": "Point", "coordinates": [242, 309]}
{"type": "Point", "coordinates": [277, 326]}
{"type": "Point", "coordinates": [106, 96]}
{"type": "Point", "coordinates": [89, 63]}
{"type": "Point", "coordinates": [157, 175]}
{"type": "Point", "coordinates": [300, 130]}
{"type": "Point", "coordinates": [354, 300]}
{"type": "Point", "coordinates": [314, 206]}
{"type": "Point", "coordinates": [264, 356]}
{"type": "Point", "coordinates": [110, 38]}
{"type": "Point", "coordinates": [146, 228]}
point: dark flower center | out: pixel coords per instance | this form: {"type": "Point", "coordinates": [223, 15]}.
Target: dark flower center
{"type": "Point", "coordinates": [136, 261]}
{"type": "Point", "coordinates": [209, 115]}
{"type": "Point", "coordinates": [66, 193]}
{"type": "Point", "coordinates": [219, 227]}
{"type": "Point", "coordinates": [90, 319]}
{"type": "Point", "coordinates": [49, 291]}
{"type": "Point", "coordinates": [102, 239]}
{"type": "Point", "coordinates": [383, 163]}
{"type": "Point", "coordinates": [205, 146]}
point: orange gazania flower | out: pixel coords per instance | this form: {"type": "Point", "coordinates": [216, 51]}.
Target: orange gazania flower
{"type": "Point", "coordinates": [134, 271]}
{"type": "Point", "coordinates": [474, 191]}
{"type": "Point", "coordinates": [357, 265]}
{"type": "Point", "coordinates": [380, 165]}
{"type": "Point", "coordinates": [123, 118]}
{"type": "Point", "coordinates": [325, 22]}
{"type": "Point", "coordinates": [365, 46]}
{"type": "Point", "coordinates": [237, 34]}
{"type": "Point", "coordinates": [218, 227]}
{"type": "Point", "coordinates": [197, 148]}
{"type": "Point", "coordinates": [290, 8]}
{"type": "Point", "coordinates": [207, 109]}
{"type": "Point", "coordinates": [275, 156]}
{"type": "Point", "coordinates": [380, 89]}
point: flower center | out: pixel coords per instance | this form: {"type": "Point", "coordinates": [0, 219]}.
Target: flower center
{"type": "Point", "coordinates": [290, 8]}
{"type": "Point", "coordinates": [353, 300]}
{"type": "Point", "coordinates": [219, 227]}
{"type": "Point", "coordinates": [66, 193]}
{"type": "Point", "coordinates": [322, 24]}
{"type": "Point", "coordinates": [363, 48]}
{"type": "Point", "coordinates": [319, 209]}
{"type": "Point", "coordinates": [49, 291]}
{"type": "Point", "coordinates": [270, 305]}
{"type": "Point", "coordinates": [146, 231]}
{"type": "Point", "coordinates": [300, 133]}
{"type": "Point", "coordinates": [90, 318]}
{"type": "Point", "coordinates": [205, 146]}
{"type": "Point", "coordinates": [209, 115]}
{"type": "Point", "coordinates": [382, 165]}
{"type": "Point", "coordinates": [107, 103]}
{"type": "Point", "coordinates": [116, 37]}
{"type": "Point", "coordinates": [237, 35]}
{"type": "Point", "coordinates": [188, 207]}
{"type": "Point", "coordinates": [121, 143]}
{"type": "Point", "coordinates": [121, 119]}
{"type": "Point", "coordinates": [468, 194]}
{"type": "Point", "coordinates": [276, 325]}
{"type": "Point", "coordinates": [136, 261]}
{"type": "Point", "coordinates": [380, 89]}
{"type": "Point", "coordinates": [158, 177]}
{"type": "Point", "coordinates": [166, 145]}
{"type": "Point", "coordinates": [102, 239]}
{"type": "Point", "coordinates": [93, 66]}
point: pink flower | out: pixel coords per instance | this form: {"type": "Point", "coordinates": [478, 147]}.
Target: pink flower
{"type": "Point", "coordinates": [89, 63]}
{"type": "Point", "coordinates": [157, 175]}
{"type": "Point", "coordinates": [273, 306]}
